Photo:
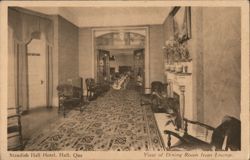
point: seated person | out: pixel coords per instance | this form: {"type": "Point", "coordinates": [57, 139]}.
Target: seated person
{"type": "Point", "coordinates": [139, 80]}
{"type": "Point", "coordinates": [121, 82]}
{"type": "Point", "coordinates": [116, 85]}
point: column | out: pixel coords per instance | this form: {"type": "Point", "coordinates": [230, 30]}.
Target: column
{"type": "Point", "coordinates": [170, 88]}
{"type": "Point", "coordinates": [182, 104]}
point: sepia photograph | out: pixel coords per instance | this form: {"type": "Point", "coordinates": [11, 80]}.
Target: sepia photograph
{"type": "Point", "coordinates": [160, 79]}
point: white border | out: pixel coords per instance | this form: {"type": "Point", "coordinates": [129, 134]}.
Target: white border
{"type": "Point", "coordinates": [131, 155]}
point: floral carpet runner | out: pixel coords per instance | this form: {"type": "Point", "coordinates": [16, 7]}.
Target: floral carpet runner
{"type": "Point", "coordinates": [114, 122]}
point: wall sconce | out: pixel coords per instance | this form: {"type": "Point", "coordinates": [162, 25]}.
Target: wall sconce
{"type": "Point", "coordinates": [112, 58]}
{"type": "Point", "coordinates": [121, 36]}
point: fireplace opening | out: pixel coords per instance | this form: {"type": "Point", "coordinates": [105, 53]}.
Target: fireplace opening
{"type": "Point", "coordinates": [173, 109]}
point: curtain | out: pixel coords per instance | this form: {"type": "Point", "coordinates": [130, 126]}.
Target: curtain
{"type": "Point", "coordinates": [23, 26]}
{"type": "Point", "coordinates": [49, 75]}
{"type": "Point", "coordinates": [15, 22]}
{"type": "Point", "coordinates": [45, 26]}
{"type": "Point", "coordinates": [22, 74]}
{"type": "Point", "coordinates": [12, 70]}
{"type": "Point", "coordinates": [30, 26]}
{"type": "Point", "coordinates": [17, 73]}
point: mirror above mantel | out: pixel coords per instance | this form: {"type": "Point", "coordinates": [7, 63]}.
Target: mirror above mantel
{"type": "Point", "coordinates": [121, 39]}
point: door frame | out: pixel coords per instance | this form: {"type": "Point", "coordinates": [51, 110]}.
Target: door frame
{"type": "Point", "coordinates": [106, 30]}
{"type": "Point", "coordinates": [46, 81]}
{"type": "Point", "coordinates": [136, 51]}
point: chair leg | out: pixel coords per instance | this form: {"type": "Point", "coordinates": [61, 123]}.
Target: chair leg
{"type": "Point", "coordinates": [64, 113]}
{"type": "Point", "coordinates": [169, 140]}
{"type": "Point", "coordinates": [185, 127]}
{"type": "Point", "coordinates": [59, 105]}
{"type": "Point", "coordinates": [21, 135]}
{"type": "Point", "coordinates": [141, 102]}
{"type": "Point", "coordinates": [81, 104]}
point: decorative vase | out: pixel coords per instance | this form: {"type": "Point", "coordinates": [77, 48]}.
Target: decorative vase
{"type": "Point", "coordinates": [185, 69]}
{"type": "Point", "coordinates": [179, 68]}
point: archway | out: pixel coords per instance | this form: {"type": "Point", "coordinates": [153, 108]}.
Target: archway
{"type": "Point", "coordinates": [128, 39]}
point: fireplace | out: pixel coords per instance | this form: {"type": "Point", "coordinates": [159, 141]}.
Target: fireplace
{"type": "Point", "coordinates": [176, 97]}
{"type": "Point", "coordinates": [179, 118]}
{"type": "Point", "coordinates": [180, 88]}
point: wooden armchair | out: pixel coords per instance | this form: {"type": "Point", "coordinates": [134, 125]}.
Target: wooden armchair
{"type": "Point", "coordinates": [157, 88]}
{"type": "Point", "coordinates": [70, 94]}
{"type": "Point", "coordinates": [105, 86]}
{"type": "Point", "coordinates": [145, 99]}
{"type": "Point", "coordinates": [156, 96]}
{"type": "Point", "coordinates": [15, 138]}
{"type": "Point", "coordinates": [224, 137]}
{"type": "Point", "coordinates": [93, 89]}
{"type": "Point", "coordinates": [96, 89]}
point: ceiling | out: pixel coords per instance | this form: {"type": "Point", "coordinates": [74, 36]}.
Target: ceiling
{"type": "Point", "coordinates": [108, 16]}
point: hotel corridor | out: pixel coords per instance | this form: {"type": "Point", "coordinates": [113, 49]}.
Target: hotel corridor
{"type": "Point", "coordinates": [115, 122]}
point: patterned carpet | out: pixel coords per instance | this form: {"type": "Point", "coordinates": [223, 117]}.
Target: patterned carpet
{"type": "Point", "coordinates": [114, 122]}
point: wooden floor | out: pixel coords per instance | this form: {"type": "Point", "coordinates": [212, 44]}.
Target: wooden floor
{"type": "Point", "coordinates": [37, 118]}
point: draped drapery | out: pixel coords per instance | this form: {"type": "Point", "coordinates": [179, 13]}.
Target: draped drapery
{"type": "Point", "coordinates": [49, 75]}
{"type": "Point", "coordinates": [25, 27]}
{"type": "Point", "coordinates": [17, 74]}
{"type": "Point", "coordinates": [22, 80]}
{"type": "Point", "coordinates": [12, 72]}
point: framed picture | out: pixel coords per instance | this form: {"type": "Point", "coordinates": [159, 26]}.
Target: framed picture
{"type": "Point", "coordinates": [182, 23]}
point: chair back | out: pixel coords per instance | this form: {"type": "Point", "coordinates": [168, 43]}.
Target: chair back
{"type": "Point", "coordinates": [65, 89]}
{"type": "Point", "coordinates": [70, 87]}
{"type": "Point", "coordinates": [77, 82]}
{"type": "Point", "coordinates": [90, 82]}
{"type": "Point", "coordinates": [157, 86]}
{"type": "Point", "coordinates": [14, 130]}
{"type": "Point", "coordinates": [228, 133]}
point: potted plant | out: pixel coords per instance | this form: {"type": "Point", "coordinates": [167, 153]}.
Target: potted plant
{"type": "Point", "coordinates": [176, 52]}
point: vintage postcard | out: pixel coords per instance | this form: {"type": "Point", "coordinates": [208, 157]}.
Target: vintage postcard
{"type": "Point", "coordinates": [124, 80]}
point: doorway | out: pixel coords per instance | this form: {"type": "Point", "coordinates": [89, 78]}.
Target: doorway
{"type": "Point", "coordinates": [122, 39]}
{"type": "Point", "coordinates": [37, 73]}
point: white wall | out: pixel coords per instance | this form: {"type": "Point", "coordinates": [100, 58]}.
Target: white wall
{"type": "Point", "coordinates": [122, 60]}
{"type": "Point", "coordinates": [85, 54]}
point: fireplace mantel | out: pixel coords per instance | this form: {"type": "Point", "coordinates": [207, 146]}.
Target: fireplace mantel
{"type": "Point", "coordinates": [179, 79]}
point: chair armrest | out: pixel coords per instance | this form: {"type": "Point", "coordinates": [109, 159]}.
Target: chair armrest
{"type": "Point", "coordinates": [157, 95]}
{"type": "Point", "coordinates": [142, 89]}
{"type": "Point", "coordinates": [168, 132]}
{"type": "Point", "coordinates": [200, 124]}
{"type": "Point", "coordinates": [171, 133]}
{"type": "Point", "coordinates": [11, 108]}
{"type": "Point", "coordinates": [18, 109]}
{"type": "Point", "coordinates": [13, 116]}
